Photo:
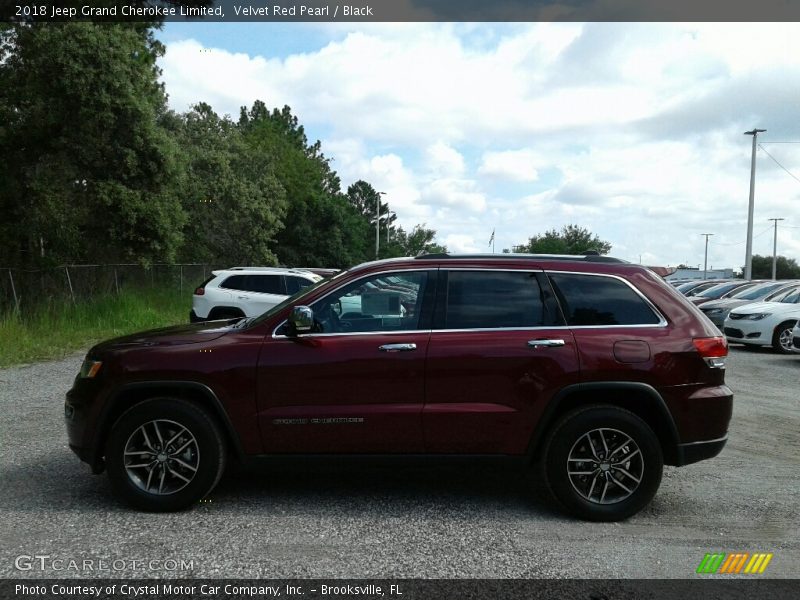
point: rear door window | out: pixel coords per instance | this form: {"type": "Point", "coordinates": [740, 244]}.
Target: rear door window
{"type": "Point", "coordinates": [266, 284]}
{"type": "Point", "coordinates": [493, 299]}
{"type": "Point", "coordinates": [235, 282]}
{"type": "Point", "coordinates": [600, 300]}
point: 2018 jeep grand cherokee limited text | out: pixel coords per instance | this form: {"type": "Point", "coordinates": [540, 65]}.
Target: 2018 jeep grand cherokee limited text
{"type": "Point", "coordinates": [593, 368]}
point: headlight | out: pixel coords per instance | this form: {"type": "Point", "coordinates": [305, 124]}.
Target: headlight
{"type": "Point", "coordinates": [90, 368]}
{"type": "Point", "coordinates": [756, 317]}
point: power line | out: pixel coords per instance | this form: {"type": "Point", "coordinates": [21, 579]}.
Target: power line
{"type": "Point", "coordinates": [779, 164]}
{"type": "Point", "coordinates": [737, 243]}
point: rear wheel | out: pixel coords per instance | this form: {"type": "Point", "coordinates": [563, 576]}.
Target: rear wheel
{"type": "Point", "coordinates": [782, 338]}
{"type": "Point", "coordinates": [603, 463]}
{"type": "Point", "coordinates": [164, 454]}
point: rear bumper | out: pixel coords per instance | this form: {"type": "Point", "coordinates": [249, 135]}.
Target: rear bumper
{"type": "Point", "coordinates": [697, 451]}
{"type": "Point", "coordinates": [193, 318]}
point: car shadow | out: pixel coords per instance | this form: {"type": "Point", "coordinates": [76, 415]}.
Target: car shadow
{"type": "Point", "coordinates": [58, 482]}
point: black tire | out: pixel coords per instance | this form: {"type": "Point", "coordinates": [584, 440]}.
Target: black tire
{"type": "Point", "coordinates": [596, 492]}
{"type": "Point", "coordinates": [201, 446]}
{"type": "Point", "coordinates": [784, 330]}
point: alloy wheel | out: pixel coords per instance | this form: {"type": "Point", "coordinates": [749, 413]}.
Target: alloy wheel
{"type": "Point", "coordinates": [605, 466]}
{"type": "Point", "coordinates": [161, 457]}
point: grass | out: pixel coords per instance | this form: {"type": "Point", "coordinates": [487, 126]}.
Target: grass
{"type": "Point", "coordinates": [58, 328]}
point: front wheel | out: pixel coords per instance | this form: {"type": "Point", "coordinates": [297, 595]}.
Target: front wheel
{"type": "Point", "coordinates": [782, 338]}
{"type": "Point", "coordinates": [164, 454]}
{"type": "Point", "coordinates": [603, 463]}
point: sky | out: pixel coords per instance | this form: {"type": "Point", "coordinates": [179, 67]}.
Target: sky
{"type": "Point", "coordinates": [631, 130]}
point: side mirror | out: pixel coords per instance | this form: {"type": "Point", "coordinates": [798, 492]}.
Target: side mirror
{"type": "Point", "coordinates": [301, 319]}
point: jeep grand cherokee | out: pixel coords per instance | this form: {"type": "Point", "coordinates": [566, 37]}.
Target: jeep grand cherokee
{"type": "Point", "coordinates": [590, 367]}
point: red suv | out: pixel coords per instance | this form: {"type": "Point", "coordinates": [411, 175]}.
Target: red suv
{"type": "Point", "coordinates": [593, 368]}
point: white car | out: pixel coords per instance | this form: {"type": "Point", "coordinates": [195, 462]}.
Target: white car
{"type": "Point", "coordinates": [246, 291]}
{"type": "Point", "coordinates": [796, 337]}
{"type": "Point", "coordinates": [765, 323]}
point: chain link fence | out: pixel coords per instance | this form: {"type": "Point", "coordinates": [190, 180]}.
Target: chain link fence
{"type": "Point", "coordinates": [21, 289]}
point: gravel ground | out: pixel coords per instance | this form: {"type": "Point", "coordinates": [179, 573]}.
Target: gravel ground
{"type": "Point", "coordinates": [420, 522]}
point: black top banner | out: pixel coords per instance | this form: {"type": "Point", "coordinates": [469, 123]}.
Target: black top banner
{"type": "Point", "coordinates": [399, 10]}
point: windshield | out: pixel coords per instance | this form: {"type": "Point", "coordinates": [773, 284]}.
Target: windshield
{"type": "Point", "coordinates": [688, 286]}
{"type": "Point", "coordinates": [780, 294]}
{"type": "Point", "coordinates": [293, 298]}
{"type": "Point", "coordinates": [758, 291]}
{"type": "Point", "coordinates": [719, 290]}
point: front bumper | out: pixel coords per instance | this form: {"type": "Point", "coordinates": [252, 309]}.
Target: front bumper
{"type": "Point", "coordinates": [718, 318]}
{"type": "Point", "coordinates": [79, 415]}
{"type": "Point", "coordinates": [742, 331]}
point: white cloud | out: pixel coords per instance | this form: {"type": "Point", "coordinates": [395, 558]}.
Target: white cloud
{"type": "Point", "coordinates": [444, 160]}
{"type": "Point", "coordinates": [516, 165]}
{"type": "Point", "coordinates": [634, 130]}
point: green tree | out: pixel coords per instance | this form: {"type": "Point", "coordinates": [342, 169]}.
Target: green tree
{"type": "Point", "coordinates": [786, 268]}
{"type": "Point", "coordinates": [420, 240]}
{"type": "Point", "coordinates": [234, 201]}
{"type": "Point", "coordinates": [321, 228]}
{"type": "Point", "coordinates": [87, 169]}
{"type": "Point", "coordinates": [572, 239]}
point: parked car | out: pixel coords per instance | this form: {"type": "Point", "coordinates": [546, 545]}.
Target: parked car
{"type": "Point", "coordinates": [595, 369]}
{"type": "Point", "coordinates": [765, 323]}
{"type": "Point", "coordinates": [718, 310]}
{"type": "Point", "coordinates": [324, 272]}
{"type": "Point", "coordinates": [796, 337]}
{"type": "Point", "coordinates": [246, 291]}
{"type": "Point", "coordinates": [719, 291]}
{"type": "Point", "coordinates": [697, 286]}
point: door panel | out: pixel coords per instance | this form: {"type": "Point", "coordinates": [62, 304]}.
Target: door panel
{"type": "Point", "coordinates": [498, 353]}
{"type": "Point", "coordinates": [340, 394]}
{"type": "Point", "coordinates": [357, 383]}
{"type": "Point", "coordinates": [486, 390]}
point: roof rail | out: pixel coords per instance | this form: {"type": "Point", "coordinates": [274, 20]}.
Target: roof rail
{"type": "Point", "coordinates": [588, 257]}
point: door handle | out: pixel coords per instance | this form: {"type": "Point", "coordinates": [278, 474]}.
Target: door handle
{"type": "Point", "coordinates": [545, 343]}
{"type": "Point", "coordinates": [397, 347]}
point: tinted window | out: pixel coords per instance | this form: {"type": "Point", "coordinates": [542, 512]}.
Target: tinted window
{"type": "Point", "coordinates": [719, 290]}
{"type": "Point", "coordinates": [295, 284]}
{"type": "Point", "coordinates": [385, 302]}
{"type": "Point", "coordinates": [235, 282]}
{"type": "Point", "coordinates": [597, 300]}
{"type": "Point", "coordinates": [780, 295]}
{"type": "Point", "coordinates": [266, 284]}
{"type": "Point", "coordinates": [490, 299]}
{"type": "Point", "coordinates": [792, 298]}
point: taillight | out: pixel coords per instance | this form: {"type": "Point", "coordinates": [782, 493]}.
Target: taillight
{"type": "Point", "coordinates": [200, 291]}
{"type": "Point", "coordinates": [713, 350]}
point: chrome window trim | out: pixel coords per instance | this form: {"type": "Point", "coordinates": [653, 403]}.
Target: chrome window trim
{"type": "Point", "coordinates": [661, 324]}
{"type": "Point", "coordinates": [275, 336]}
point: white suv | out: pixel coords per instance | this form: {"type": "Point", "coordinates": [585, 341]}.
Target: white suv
{"type": "Point", "coordinates": [246, 291]}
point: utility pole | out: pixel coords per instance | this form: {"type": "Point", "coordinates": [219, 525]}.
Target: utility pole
{"type": "Point", "coordinates": [389, 215]}
{"type": "Point", "coordinates": [378, 225]}
{"type": "Point", "coordinates": [705, 261]}
{"type": "Point", "coordinates": [748, 259]}
{"type": "Point", "coordinates": [775, 248]}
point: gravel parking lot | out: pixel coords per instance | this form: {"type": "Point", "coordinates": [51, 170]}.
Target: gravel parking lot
{"type": "Point", "coordinates": [420, 522]}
